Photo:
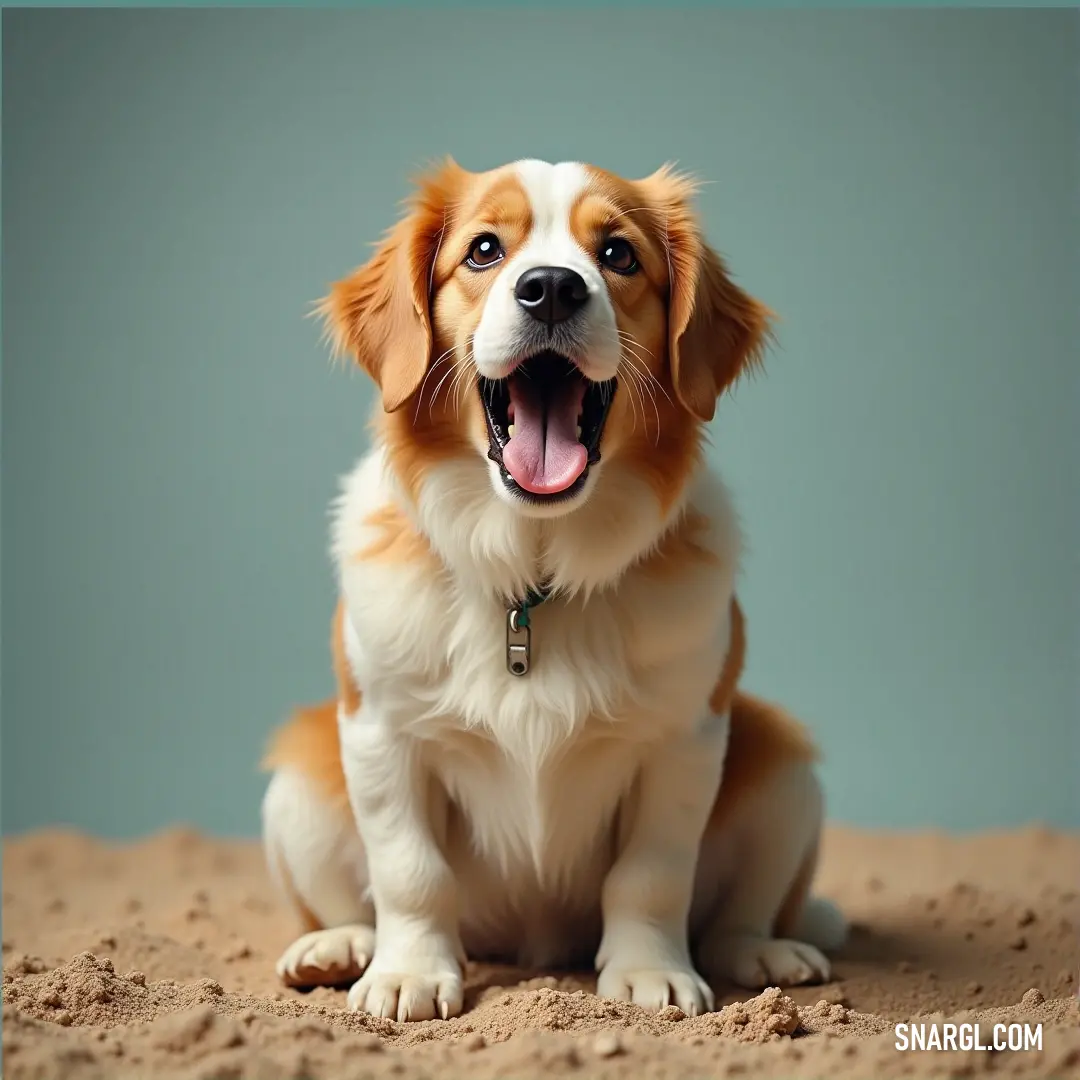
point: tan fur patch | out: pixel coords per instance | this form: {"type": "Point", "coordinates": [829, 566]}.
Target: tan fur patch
{"type": "Point", "coordinates": [308, 743]}
{"type": "Point", "coordinates": [787, 918]}
{"type": "Point", "coordinates": [489, 202]}
{"type": "Point", "coordinates": [665, 462]}
{"type": "Point", "coordinates": [723, 694]}
{"type": "Point", "coordinates": [682, 545]}
{"type": "Point", "coordinates": [397, 540]}
{"type": "Point", "coordinates": [308, 740]}
{"type": "Point", "coordinates": [763, 738]}
{"type": "Point", "coordinates": [417, 440]}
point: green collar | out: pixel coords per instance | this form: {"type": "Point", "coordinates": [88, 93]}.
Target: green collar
{"type": "Point", "coordinates": [533, 598]}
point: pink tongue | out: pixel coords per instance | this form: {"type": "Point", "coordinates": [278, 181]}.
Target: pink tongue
{"type": "Point", "coordinates": [544, 456]}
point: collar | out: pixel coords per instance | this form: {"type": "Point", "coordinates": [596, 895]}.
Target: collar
{"type": "Point", "coordinates": [519, 632]}
{"type": "Point", "coordinates": [533, 598]}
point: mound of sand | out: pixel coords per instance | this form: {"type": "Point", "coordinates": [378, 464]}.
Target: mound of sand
{"type": "Point", "coordinates": [156, 958]}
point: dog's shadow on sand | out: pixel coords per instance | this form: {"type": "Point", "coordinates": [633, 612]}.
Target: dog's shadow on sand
{"type": "Point", "coordinates": [917, 944]}
{"type": "Point", "coordinates": [871, 956]}
{"type": "Point", "coordinates": [486, 982]}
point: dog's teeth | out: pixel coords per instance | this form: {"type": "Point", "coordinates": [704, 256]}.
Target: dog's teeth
{"type": "Point", "coordinates": [511, 430]}
{"type": "Point", "coordinates": [579, 431]}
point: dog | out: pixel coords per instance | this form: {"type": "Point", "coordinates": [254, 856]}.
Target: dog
{"type": "Point", "coordinates": [538, 752]}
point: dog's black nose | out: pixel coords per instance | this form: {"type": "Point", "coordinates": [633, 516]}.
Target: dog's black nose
{"type": "Point", "coordinates": [551, 294]}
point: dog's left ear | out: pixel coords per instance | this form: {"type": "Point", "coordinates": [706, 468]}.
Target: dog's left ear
{"type": "Point", "coordinates": [381, 313]}
{"type": "Point", "coordinates": [716, 331]}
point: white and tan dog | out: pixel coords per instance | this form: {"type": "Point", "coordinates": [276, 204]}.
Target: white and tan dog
{"type": "Point", "coordinates": [537, 751]}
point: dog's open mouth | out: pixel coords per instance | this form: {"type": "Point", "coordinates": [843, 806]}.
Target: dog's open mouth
{"type": "Point", "coordinates": [544, 426]}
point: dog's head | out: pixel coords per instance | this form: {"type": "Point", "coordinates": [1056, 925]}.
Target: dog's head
{"type": "Point", "coordinates": [553, 322]}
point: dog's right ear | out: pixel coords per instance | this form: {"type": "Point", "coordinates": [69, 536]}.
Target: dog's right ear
{"type": "Point", "coordinates": [381, 313]}
{"type": "Point", "coordinates": [716, 330]}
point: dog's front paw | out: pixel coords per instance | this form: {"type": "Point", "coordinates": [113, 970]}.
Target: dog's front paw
{"type": "Point", "coordinates": [654, 988]}
{"type": "Point", "coordinates": [404, 989]}
{"type": "Point", "coordinates": [756, 962]}
{"type": "Point", "coordinates": [327, 957]}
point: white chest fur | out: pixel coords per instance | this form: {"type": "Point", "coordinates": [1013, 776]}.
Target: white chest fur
{"type": "Point", "coordinates": [535, 767]}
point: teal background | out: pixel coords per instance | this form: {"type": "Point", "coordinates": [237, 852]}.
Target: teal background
{"type": "Point", "coordinates": [901, 186]}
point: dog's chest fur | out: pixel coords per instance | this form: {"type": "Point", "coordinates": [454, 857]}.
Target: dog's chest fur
{"type": "Point", "coordinates": [535, 769]}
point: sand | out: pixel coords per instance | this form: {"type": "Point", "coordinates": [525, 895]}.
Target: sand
{"type": "Point", "coordinates": [156, 958]}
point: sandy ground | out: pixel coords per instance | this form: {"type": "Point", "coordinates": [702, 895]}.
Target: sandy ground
{"type": "Point", "coordinates": [156, 958]}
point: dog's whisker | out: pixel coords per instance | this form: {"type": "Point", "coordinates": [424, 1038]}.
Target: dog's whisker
{"type": "Point", "coordinates": [460, 383]}
{"type": "Point", "coordinates": [632, 346]}
{"type": "Point", "coordinates": [420, 394]}
{"type": "Point", "coordinates": [645, 391]}
{"type": "Point", "coordinates": [634, 384]}
{"type": "Point", "coordinates": [468, 368]}
{"type": "Point", "coordinates": [435, 393]}
{"type": "Point", "coordinates": [634, 388]}
{"type": "Point", "coordinates": [633, 341]}
{"type": "Point", "coordinates": [446, 356]}
{"type": "Point", "coordinates": [630, 210]}
{"type": "Point", "coordinates": [644, 370]}
{"type": "Point", "coordinates": [650, 379]}
{"type": "Point", "coordinates": [463, 391]}
{"type": "Point", "coordinates": [645, 380]}
{"type": "Point", "coordinates": [451, 390]}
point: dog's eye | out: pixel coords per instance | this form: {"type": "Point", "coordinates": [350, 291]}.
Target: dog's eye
{"type": "Point", "coordinates": [618, 255]}
{"type": "Point", "coordinates": [485, 251]}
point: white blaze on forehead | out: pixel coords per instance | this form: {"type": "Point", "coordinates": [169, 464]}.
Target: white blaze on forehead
{"type": "Point", "coordinates": [506, 332]}
{"type": "Point", "coordinates": [552, 191]}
